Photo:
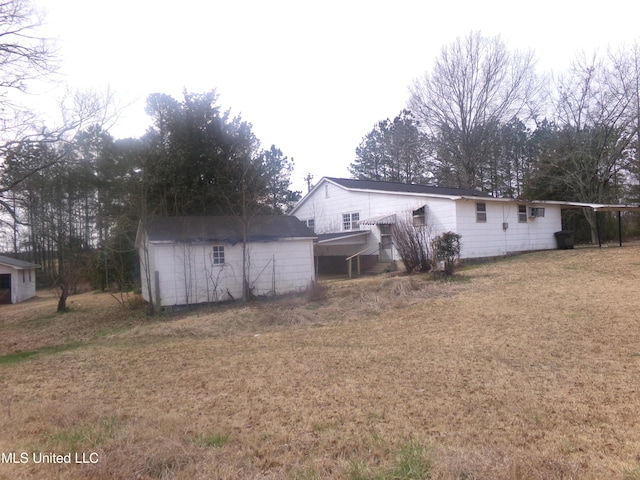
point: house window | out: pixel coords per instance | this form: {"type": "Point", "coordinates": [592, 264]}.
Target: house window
{"type": "Point", "coordinates": [326, 191]}
{"type": "Point", "coordinates": [24, 276]}
{"type": "Point", "coordinates": [218, 255]}
{"type": "Point", "coordinates": [30, 275]}
{"type": "Point", "coordinates": [481, 212]}
{"type": "Point", "coordinates": [350, 221]}
{"type": "Point", "coordinates": [536, 212]}
{"type": "Point", "coordinates": [522, 214]}
{"type": "Point", "coordinates": [419, 217]}
{"type": "Point", "coordinates": [311, 223]}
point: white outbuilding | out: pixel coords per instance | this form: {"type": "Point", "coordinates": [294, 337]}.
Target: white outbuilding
{"type": "Point", "coordinates": [191, 260]}
{"type": "Point", "coordinates": [17, 280]}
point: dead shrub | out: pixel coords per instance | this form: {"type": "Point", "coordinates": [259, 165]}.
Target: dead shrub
{"type": "Point", "coordinates": [128, 300]}
{"type": "Point", "coordinates": [278, 318]}
{"type": "Point", "coordinates": [318, 292]}
{"type": "Point", "coordinates": [413, 245]}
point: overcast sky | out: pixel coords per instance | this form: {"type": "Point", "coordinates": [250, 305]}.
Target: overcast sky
{"type": "Point", "coordinates": [312, 77]}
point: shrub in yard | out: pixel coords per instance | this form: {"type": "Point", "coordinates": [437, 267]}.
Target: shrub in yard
{"type": "Point", "coordinates": [412, 243]}
{"type": "Point", "coordinates": [318, 292]}
{"type": "Point", "coordinates": [446, 248]}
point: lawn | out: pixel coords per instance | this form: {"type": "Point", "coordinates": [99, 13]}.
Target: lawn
{"type": "Point", "coordinates": [524, 368]}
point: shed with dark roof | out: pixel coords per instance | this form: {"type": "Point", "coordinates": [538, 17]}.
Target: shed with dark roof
{"type": "Point", "coordinates": [190, 260]}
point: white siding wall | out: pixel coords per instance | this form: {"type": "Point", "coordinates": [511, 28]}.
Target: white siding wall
{"type": "Point", "coordinates": [150, 270]}
{"type": "Point", "coordinates": [490, 239]}
{"type": "Point", "coordinates": [327, 212]}
{"type": "Point", "coordinates": [443, 214]}
{"type": "Point", "coordinates": [187, 274]}
{"type": "Point", "coordinates": [22, 288]}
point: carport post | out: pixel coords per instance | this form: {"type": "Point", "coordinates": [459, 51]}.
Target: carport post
{"type": "Point", "coordinates": [598, 229]}
{"type": "Point", "coordinates": [619, 228]}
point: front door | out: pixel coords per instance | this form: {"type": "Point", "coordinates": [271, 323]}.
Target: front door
{"type": "Point", "coordinates": [386, 243]}
{"type": "Point", "coordinates": [5, 288]}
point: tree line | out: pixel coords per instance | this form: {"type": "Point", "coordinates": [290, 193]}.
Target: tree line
{"type": "Point", "coordinates": [78, 216]}
{"type": "Point", "coordinates": [484, 118]}
{"type": "Point", "coordinates": [71, 195]}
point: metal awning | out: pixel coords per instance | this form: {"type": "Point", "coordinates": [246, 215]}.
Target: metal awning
{"type": "Point", "coordinates": [603, 207]}
{"type": "Point", "coordinates": [389, 219]}
{"type": "Point", "coordinates": [343, 238]}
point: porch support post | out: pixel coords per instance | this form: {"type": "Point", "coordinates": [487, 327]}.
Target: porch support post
{"type": "Point", "coordinates": [598, 229]}
{"type": "Point", "coordinates": [358, 261]}
{"type": "Point", "coordinates": [349, 266]}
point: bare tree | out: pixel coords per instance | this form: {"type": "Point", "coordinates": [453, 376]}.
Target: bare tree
{"type": "Point", "coordinates": [597, 125]}
{"type": "Point", "coordinates": [475, 85]}
{"type": "Point", "coordinates": [627, 64]}
{"type": "Point", "coordinates": [24, 55]}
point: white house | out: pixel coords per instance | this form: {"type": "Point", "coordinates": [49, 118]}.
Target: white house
{"type": "Point", "coordinates": [189, 260]}
{"type": "Point", "coordinates": [355, 216]}
{"type": "Point", "coordinates": [17, 280]}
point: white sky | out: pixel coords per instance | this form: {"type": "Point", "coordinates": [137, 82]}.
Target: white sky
{"type": "Point", "coordinates": [312, 77]}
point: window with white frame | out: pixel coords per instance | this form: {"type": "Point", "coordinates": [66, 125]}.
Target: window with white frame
{"type": "Point", "coordinates": [218, 255]}
{"type": "Point", "coordinates": [311, 223]}
{"type": "Point", "coordinates": [351, 221]}
{"type": "Point", "coordinates": [522, 214]}
{"type": "Point", "coordinates": [481, 212]}
{"type": "Point", "coordinates": [419, 216]}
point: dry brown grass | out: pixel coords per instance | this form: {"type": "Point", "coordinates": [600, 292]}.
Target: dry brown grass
{"type": "Point", "coordinates": [526, 368]}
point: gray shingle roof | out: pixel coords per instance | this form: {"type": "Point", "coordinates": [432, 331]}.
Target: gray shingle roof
{"type": "Point", "coordinates": [225, 229]}
{"type": "Point", "coordinates": [21, 264]}
{"type": "Point", "coordinates": [405, 188]}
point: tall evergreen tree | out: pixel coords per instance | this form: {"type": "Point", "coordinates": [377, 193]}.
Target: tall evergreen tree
{"type": "Point", "coordinates": [198, 156]}
{"type": "Point", "coordinates": [276, 169]}
{"type": "Point", "coordinates": [394, 151]}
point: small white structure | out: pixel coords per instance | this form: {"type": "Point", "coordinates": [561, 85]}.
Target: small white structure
{"type": "Point", "coordinates": [17, 280]}
{"type": "Point", "coordinates": [355, 217]}
{"type": "Point", "coordinates": [189, 260]}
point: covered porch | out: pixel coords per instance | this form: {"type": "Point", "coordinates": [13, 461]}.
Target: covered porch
{"type": "Point", "coordinates": [344, 253]}
{"type": "Point", "coordinates": [358, 251]}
